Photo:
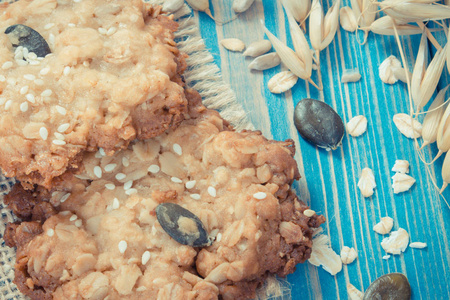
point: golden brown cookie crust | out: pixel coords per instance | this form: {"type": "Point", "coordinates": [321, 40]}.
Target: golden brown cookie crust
{"type": "Point", "coordinates": [96, 245]}
{"type": "Point", "coordinates": [114, 75]}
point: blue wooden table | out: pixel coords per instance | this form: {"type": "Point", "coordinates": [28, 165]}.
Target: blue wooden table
{"type": "Point", "coordinates": [329, 179]}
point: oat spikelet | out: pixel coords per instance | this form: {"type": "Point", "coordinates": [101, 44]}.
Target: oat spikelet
{"type": "Point", "coordinates": [425, 78]}
{"type": "Point", "coordinates": [407, 11]}
{"type": "Point", "coordinates": [348, 19]}
{"type": "Point", "coordinates": [365, 13]}
{"type": "Point", "coordinates": [322, 30]}
{"type": "Point", "coordinates": [385, 26]}
{"type": "Point", "coordinates": [443, 134]}
{"type": "Point", "coordinates": [299, 9]}
{"type": "Point", "coordinates": [445, 172]}
{"type": "Point", "coordinates": [432, 119]}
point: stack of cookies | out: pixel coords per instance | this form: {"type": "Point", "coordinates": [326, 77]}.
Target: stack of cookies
{"type": "Point", "coordinates": [100, 130]}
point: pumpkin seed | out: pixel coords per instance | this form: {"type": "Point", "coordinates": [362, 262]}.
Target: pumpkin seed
{"type": "Point", "coordinates": [319, 124]}
{"type": "Point", "coordinates": [21, 35]}
{"type": "Point", "coordinates": [182, 225]}
{"type": "Point", "coordinates": [389, 286]}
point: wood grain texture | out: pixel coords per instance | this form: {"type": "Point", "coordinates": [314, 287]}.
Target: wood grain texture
{"type": "Point", "coordinates": [329, 182]}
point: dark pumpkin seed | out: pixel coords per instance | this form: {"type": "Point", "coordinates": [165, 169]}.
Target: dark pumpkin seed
{"type": "Point", "coordinates": [319, 124]}
{"type": "Point", "coordinates": [393, 286]}
{"type": "Point", "coordinates": [182, 225]}
{"type": "Point", "coordinates": [21, 35]}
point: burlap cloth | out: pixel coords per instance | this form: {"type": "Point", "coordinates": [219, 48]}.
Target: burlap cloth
{"type": "Point", "coordinates": [203, 75]}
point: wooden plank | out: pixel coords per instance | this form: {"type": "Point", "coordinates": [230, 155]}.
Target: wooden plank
{"type": "Point", "coordinates": [329, 182]}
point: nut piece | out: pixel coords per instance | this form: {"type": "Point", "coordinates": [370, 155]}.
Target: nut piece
{"type": "Point", "coordinates": [407, 126]}
{"type": "Point", "coordinates": [322, 254]}
{"type": "Point", "coordinates": [348, 255]}
{"type": "Point", "coordinates": [233, 44]}
{"type": "Point", "coordinates": [352, 75]}
{"type": "Point", "coordinates": [402, 182]}
{"type": "Point", "coordinates": [385, 225]}
{"type": "Point", "coordinates": [418, 245]}
{"type": "Point", "coordinates": [282, 82]}
{"type": "Point", "coordinates": [401, 166]}
{"type": "Point", "coordinates": [357, 126]}
{"type": "Point", "coordinates": [366, 182]}
{"type": "Point", "coordinates": [397, 242]}
{"type": "Point", "coordinates": [354, 293]}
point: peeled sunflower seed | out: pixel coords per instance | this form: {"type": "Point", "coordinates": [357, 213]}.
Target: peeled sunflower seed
{"type": "Point", "coordinates": [182, 225]}
{"type": "Point", "coordinates": [357, 126]}
{"type": "Point", "coordinates": [265, 62]}
{"type": "Point", "coordinates": [21, 35]}
{"type": "Point", "coordinates": [258, 48]}
{"type": "Point", "coordinates": [233, 44]}
{"type": "Point", "coordinates": [389, 286]}
{"type": "Point", "coordinates": [408, 126]}
{"type": "Point", "coordinates": [282, 82]}
{"type": "Point", "coordinates": [319, 124]}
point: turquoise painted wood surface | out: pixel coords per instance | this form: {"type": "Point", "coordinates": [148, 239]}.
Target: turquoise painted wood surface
{"type": "Point", "coordinates": [329, 182]}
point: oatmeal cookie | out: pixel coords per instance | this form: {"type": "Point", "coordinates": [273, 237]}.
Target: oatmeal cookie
{"type": "Point", "coordinates": [103, 238]}
{"type": "Point", "coordinates": [113, 75]}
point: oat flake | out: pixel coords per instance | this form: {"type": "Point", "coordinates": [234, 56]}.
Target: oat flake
{"type": "Point", "coordinates": [366, 182]}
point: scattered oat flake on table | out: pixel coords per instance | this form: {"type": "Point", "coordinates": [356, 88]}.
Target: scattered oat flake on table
{"type": "Point", "coordinates": [366, 182]}
{"type": "Point", "coordinates": [348, 255]}
{"type": "Point", "coordinates": [233, 44]}
{"type": "Point", "coordinates": [408, 126]}
{"type": "Point", "coordinates": [418, 245]}
{"type": "Point", "coordinates": [384, 226]}
{"type": "Point", "coordinates": [386, 257]}
{"type": "Point", "coordinates": [323, 255]}
{"type": "Point", "coordinates": [401, 166]}
{"type": "Point", "coordinates": [354, 293]}
{"type": "Point", "coordinates": [282, 82]}
{"type": "Point", "coordinates": [351, 75]}
{"type": "Point", "coordinates": [357, 126]}
{"type": "Point", "coordinates": [397, 242]}
{"type": "Point", "coordinates": [402, 182]}
{"type": "Point", "coordinates": [386, 69]}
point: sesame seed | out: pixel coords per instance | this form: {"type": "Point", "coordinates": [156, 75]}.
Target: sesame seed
{"type": "Point", "coordinates": [212, 191]}
{"type": "Point", "coordinates": [153, 169]}
{"type": "Point", "coordinates": [127, 185]}
{"type": "Point", "coordinates": [123, 246]}
{"type": "Point", "coordinates": [145, 257]}
{"type": "Point", "coordinates": [43, 132]}
{"type": "Point", "coordinates": [131, 191]}
{"type": "Point", "coordinates": [111, 31]}
{"type": "Point", "coordinates": [39, 82]}
{"type": "Point", "coordinates": [102, 30]}
{"type": "Point", "coordinates": [29, 77]}
{"type": "Point", "coordinates": [102, 151]}
{"type": "Point", "coordinates": [50, 232]}
{"type": "Point", "coordinates": [64, 198]}
{"type": "Point", "coordinates": [32, 55]}
{"type": "Point", "coordinates": [177, 149]}
{"type": "Point", "coordinates": [195, 196]}
{"type": "Point", "coordinates": [49, 25]}
{"type": "Point", "coordinates": [25, 52]}
{"type": "Point", "coordinates": [7, 65]}
{"type": "Point", "coordinates": [23, 90]}
{"type": "Point", "coordinates": [24, 106]}
{"type": "Point", "coordinates": [61, 110]}
{"type": "Point", "coordinates": [190, 184]}
{"type": "Point", "coordinates": [141, 288]}
{"type": "Point", "coordinates": [30, 98]}
{"type": "Point", "coordinates": [59, 142]}
{"type": "Point", "coordinates": [176, 180]}
{"type": "Point", "coordinates": [59, 136]}
{"type": "Point", "coordinates": [219, 237]}
{"type": "Point", "coordinates": [2, 78]}
{"type": "Point", "coordinates": [63, 127]}
{"type": "Point", "coordinates": [44, 71]}
{"type": "Point", "coordinates": [120, 176]}
{"type": "Point", "coordinates": [47, 93]}
{"type": "Point", "coordinates": [116, 203]}
{"type": "Point", "coordinates": [18, 49]}
{"type": "Point", "coordinates": [73, 218]}
{"type": "Point", "coordinates": [125, 161]}
{"type": "Point", "coordinates": [78, 223]}
{"type": "Point", "coordinates": [65, 213]}
{"type": "Point", "coordinates": [260, 195]}
{"type": "Point", "coordinates": [71, 25]}
{"type": "Point", "coordinates": [21, 63]}
{"type": "Point", "coordinates": [110, 167]}
{"type": "Point", "coordinates": [18, 55]}
{"type": "Point", "coordinates": [98, 171]}
{"type": "Point", "coordinates": [34, 62]}
{"type": "Point", "coordinates": [8, 104]}
{"type": "Point", "coordinates": [110, 186]}
{"type": "Point", "coordinates": [66, 70]}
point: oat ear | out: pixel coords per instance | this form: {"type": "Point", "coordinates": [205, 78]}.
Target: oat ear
{"type": "Point", "coordinates": [301, 45]}
{"type": "Point", "coordinates": [331, 23]}
{"type": "Point", "coordinates": [316, 25]}
{"type": "Point", "coordinates": [419, 69]}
